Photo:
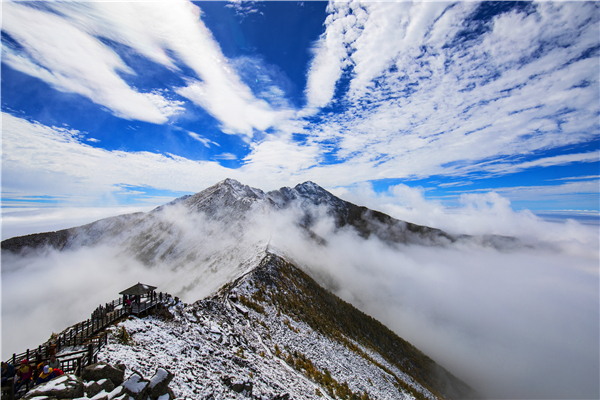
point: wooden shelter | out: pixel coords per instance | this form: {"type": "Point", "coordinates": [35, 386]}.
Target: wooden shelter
{"type": "Point", "coordinates": [141, 296]}
{"type": "Point", "coordinates": [138, 289]}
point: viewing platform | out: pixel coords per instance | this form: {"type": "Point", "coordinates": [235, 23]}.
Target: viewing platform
{"type": "Point", "coordinates": [78, 345]}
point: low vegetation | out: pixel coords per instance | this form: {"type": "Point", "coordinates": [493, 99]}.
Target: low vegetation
{"type": "Point", "coordinates": [336, 390]}
{"type": "Point", "coordinates": [122, 336]}
{"type": "Point", "coordinates": [295, 294]}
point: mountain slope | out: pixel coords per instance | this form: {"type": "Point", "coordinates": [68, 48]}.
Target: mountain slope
{"type": "Point", "coordinates": [276, 331]}
{"type": "Point", "coordinates": [232, 204]}
{"type": "Point", "coordinates": [279, 284]}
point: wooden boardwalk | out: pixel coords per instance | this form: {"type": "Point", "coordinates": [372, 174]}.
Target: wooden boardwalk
{"type": "Point", "coordinates": [78, 345]}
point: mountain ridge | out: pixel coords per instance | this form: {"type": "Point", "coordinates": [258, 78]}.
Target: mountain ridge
{"type": "Point", "coordinates": [333, 317]}
{"type": "Point", "coordinates": [260, 331]}
{"type": "Point", "coordinates": [230, 193]}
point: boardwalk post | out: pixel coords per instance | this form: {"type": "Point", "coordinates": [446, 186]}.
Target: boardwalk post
{"type": "Point", "coordinates": [90, 353]}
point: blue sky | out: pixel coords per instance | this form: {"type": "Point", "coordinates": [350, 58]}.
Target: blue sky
{"type": "Point", "coordinates": [113, 104]}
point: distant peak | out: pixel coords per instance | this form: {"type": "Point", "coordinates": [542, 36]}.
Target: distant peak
{"type": "Point", "coordinates": [237, 189]}
{"type": "Point", "coordinates": [231, 182]}
{"type": "Point", "coordinates": [309, 185]}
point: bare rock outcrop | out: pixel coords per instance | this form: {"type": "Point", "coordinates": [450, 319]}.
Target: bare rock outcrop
{"type": "Point", "coordinates": [104, 382]}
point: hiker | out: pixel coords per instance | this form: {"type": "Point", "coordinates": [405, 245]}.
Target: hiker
{"type": "Point", "coordinates": [46, 375]}
{"type": "Point", "coordinates": [53, 363]}
{"type": "Point", "coordinates": [23, 374]}
{"type": "Point", "coordinates": [38, 370]}
{"type": "Point", "coordinates": [8, 371]}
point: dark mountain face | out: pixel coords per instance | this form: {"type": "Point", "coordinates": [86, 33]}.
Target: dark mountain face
{"type": "Point", "coordinates": [365, 221]}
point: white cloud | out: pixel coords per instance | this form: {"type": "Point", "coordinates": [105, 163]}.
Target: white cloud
{"type": "Point", "coordinates": [549, 192]}
{"type": "Point", "coordinates": [64, 50]}
{"type": "Point", "coordinates": [39, 159]}
{"type": "Point", "coordinates": [226, 156]}
{"type": "Point", "coordinates": [576, 178]}
{"type": "Point", "coordinates": [421, 102]}
{"type": "Point", "coordinates": [155, 28]}
{"type": "Point", "coordinates": [517, 324]}
{"type": "Point", "coordinates": [166, 107]}
{"type": "Point", "coordinates": [392, 34]}
{"type": "Point", "coordinates": [563, 159]}
{"type": "Point", "coordinates": [488, 212]}
{"type": "Point", "coordinates": [72, 60]}
{"type": "Point", "coordinates": [233, 104]}
{"type": "Point", "coordinates": [202, 139]}
{"type": "Point", "coordinates": [244, 8]}
{"type": "Point", "coordinates": [52, 161]}
{"type": "Point", "coordinates": [330, 55]}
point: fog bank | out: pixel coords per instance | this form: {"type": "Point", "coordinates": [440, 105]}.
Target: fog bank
{"type": "Point", "coordinates": [520, 324]}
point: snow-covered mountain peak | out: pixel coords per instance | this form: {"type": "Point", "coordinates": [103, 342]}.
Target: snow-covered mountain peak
{"type": "Point", "coordinates": [228, 193]}
{"type": "Point", "coordinates": [240, 189]}
{"type": "Point", "coordinates": [317, 195]}
{"type": "Point", "coordinates": [310, 187]}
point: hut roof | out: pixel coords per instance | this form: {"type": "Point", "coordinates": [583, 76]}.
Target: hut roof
{"type": "Point", "coordinates": [138, 289]}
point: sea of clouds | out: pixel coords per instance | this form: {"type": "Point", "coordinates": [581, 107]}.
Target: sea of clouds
{"type": "Point", "coordinates": [518, 322]}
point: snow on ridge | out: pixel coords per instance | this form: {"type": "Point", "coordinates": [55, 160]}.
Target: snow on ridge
{"type": "Point", "coordinates": [215, 342]}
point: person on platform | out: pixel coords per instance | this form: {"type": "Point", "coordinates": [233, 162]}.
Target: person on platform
{"type": "Point", "coordinates": [46, 375]}
{"type": "Point", "coordinates": [54, 363]}
{"type": "Point", "coordinates": [8, 371]}
{"type": "Point", "coordinates": [23, 375]}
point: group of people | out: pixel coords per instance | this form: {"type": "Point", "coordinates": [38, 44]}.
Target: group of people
{"type": "Point", "coordinates": [128, 300]}
{"type": "Point", "coordinates": [101, 311]}
{"type": "Point", "coordinates": [26, 374]}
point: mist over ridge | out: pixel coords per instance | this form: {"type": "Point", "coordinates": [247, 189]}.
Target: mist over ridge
{"type": "Point", "coordinates": [513, 317]}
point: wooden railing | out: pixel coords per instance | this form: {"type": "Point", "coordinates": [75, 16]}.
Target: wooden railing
{"type": "Point", "coordinates": [86, 338]}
